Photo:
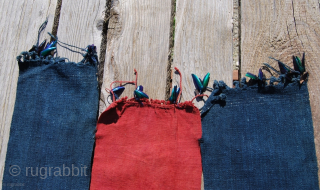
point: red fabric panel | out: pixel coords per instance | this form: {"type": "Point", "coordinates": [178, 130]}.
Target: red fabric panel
{"type": "Point", "coordinates": [149, 146]}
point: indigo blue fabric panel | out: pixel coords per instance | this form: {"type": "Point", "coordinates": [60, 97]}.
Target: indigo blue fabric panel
{"type": "Point", "coordinates": [259, 140]}
{"type": "Point", "coordinates": [53, 125]}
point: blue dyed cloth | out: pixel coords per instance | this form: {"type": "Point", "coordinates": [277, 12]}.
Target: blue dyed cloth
{"type": "Point", "coordinates": [53, 125]}
{"type": "Point", "coordinates": [259, 140]}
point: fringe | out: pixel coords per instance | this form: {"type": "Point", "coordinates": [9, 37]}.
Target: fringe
{"type": "Point", "coordinates": [218, 95]}
{"type": "Point", "coordinates": [161, 104]}
{"type": "Point", "coordinates": [32, 59]}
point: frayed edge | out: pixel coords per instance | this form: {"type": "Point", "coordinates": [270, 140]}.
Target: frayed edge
{"type": "Point", "coordinates": [163, 104]}
{"type": "Point", "coordinates": [33, 59]}
{"type": "Point", "coordinates": [218, 95]}
{"type": "Point", "coordinates": [272, 80]}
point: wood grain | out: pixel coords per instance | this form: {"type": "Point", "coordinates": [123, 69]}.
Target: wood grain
{"type": "Point", "coordinates": [138, 37]}
{"type": "Point", "coordinates": [80, 24]}
{"type": "Point", "coordinates": [281, 29]}
{"type": "Point", "coordinates": [19, 24]}
{"type": "Point", "coordinates": [203, 43]}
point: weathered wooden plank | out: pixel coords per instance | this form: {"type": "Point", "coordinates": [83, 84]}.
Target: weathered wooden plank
{"type": "Point", "coordinates": [138, 37]}
{"type": "Point", "coordinates": [203, 43]}
{"type": "Point", "coordinates": [236, 34]}
{"type": "Point", "coordinates": [281, 29]}
{"type": "Point", "coordinates": [19, 24]}
{"type": "Point", "coordinates": [80, 25]}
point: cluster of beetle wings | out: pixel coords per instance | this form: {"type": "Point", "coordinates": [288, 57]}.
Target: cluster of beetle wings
{"type": "Point", "coordinates": [44, 48]}
{"type": "Point", "coordinates": [287, 73]}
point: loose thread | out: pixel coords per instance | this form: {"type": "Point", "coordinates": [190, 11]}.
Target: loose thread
{"type": "Point", "coordinates": [111, 91]}
{"type": "Point", "coordinates": [60, 43]}
{"type": "Point", "coordinates": [70, 49]}
{"type": "Point", "coordinates": [41, 28]}
{"type": "Point", "coordinates": [56, 38]}
{"type": "Point", "coordinates": [200, 95]}
{"type": "Point", "coordinates": [121, 81]}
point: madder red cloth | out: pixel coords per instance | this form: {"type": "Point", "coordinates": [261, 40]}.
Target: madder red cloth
{"type": "Point", "coordinates": [153, 145]}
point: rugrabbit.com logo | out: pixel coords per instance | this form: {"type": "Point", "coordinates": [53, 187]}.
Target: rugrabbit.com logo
{"type": "Point", "coordinates": [48, 171]}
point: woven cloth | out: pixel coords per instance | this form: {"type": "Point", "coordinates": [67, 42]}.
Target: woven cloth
{"type": "Point", "coordinates": [52, 131]}
{"type": "Point", "coordinates": [147, 145]}
{"type": "Point", "coordinates": [259, 140]}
